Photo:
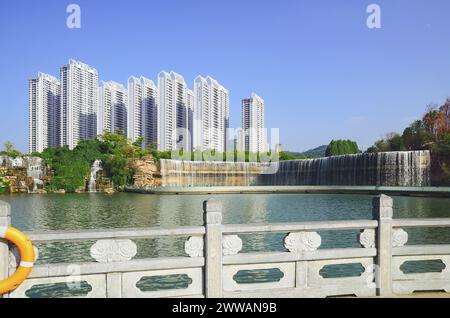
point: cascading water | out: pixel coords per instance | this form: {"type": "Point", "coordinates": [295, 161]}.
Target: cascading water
{"type": "Point", "coordinates": [35, 167]}
{"type": "Point", "coordinates": [96, 167]}
{"type": "Point", "coordinates": [406, 168]}
{"type": "Point", "coordinates": [35, 170]}
{"type": "Point", "coordinates": [209, 173]}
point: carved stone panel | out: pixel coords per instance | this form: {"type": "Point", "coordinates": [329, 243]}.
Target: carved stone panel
{"type": "Point", "coordinates": [231, 244]}
{"type": "Point", "coordinates": [302, 241]}
{"type": "Point", "coordinates": [399, 237]}
{"type": "Point", "coordinates": [107, 251]}
{"type": "Point", "coordinates": [194, 246]}
{"type": "Point", "coordinates": [367, 238]}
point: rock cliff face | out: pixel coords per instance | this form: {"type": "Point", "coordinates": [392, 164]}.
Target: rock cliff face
{"type": "Point", "coordinates": [24, 174]}
{"type": "Point", "coordinates": [147, 173]}
{"type": "Point", "coordinates": [31, 175]}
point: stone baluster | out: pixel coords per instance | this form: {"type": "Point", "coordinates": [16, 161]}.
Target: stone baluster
{"type": "Point", "coordinates": [213, 248]}
{"type": "Point", "coordinates": [383, 212]}
{"type": "Point", "coordinates": [5, 220]}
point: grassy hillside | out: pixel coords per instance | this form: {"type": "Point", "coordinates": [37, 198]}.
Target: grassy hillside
{"type": "Point", "coordinates": [312, 153]}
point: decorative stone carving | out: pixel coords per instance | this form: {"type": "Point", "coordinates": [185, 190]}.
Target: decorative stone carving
{"type": "Point", "coordinates": [194, 246]}
{"type": "Point", "coordinates": [367, 238]}
{"type": "Point", "coordinates": [231, 244]}
{"type": "Point", "coordinates": [107, 251]}
{"type": "Point", "coordinates": [14, 256]}
{"type": "Point", "coordinates": [399, 237]}
{"type": "Point", "coordinates": [382, 207]}
{"type": "Point", "coordinates": [302, 241]}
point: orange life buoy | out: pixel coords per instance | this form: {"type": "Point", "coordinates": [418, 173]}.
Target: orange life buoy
{"type": "Point", "coordinates": [27, 258]}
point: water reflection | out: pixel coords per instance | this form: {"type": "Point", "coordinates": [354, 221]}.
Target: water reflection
{"type": "Point", "coordinates": [124, 210]}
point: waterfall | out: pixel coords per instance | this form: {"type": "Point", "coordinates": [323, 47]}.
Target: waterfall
{"type": "Point", "coordinates": [35, 168]}
{"type": "Point", "coordinates": [405, 168]}
{"type": "Point", "coordinates": [210, 173]}
{"type": "Point", "coordinates": [96, 167]}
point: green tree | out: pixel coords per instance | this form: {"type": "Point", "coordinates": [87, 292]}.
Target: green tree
{"type": "Point", "coordinates": [8, 146]}
{"type": "Point", "coordinates": [9, 150]}
{"type": "Point", "coordinates": [342, 147]}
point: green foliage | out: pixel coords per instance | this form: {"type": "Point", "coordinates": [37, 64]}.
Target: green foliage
{"type": "Point", "coordinates": [442, 152]}
{"type": "Point", "coordinates": [9, 150]}
{"type": "Point", "coordinates": [3, 185]}
{"type": "Point", "coordinates": [442, 148]}
{"type": "Point", "coordinates": [342, 147]}
{"type": "Point", "coordinates": [286, 155]}
{"type": "Point", "coordinates": [317, 152]}
{"type": "Point", "coordinates": [72, 167]}
{"type": "Point", "coordinates": [432, 132]}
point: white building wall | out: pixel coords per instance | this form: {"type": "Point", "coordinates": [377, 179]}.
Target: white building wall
{"type": "Point", "coordinates": [255, 133]}
{"type": "Point", "coordinates": [112, 112]}
{"type": "Point", "coordinates": [44, 112]}
{"type": "Point", "coordinates": [134, 126]}
{"type": "Point", "coordinates": [211, 114]}
{"type": "Point", "coordinates": [149, 113]}
{"type": "Point", "coordinates": [190, 113]}
{"type": "Point", "coordinates": [79, 103]}
{"type": "Point", "coordinates": [172, 112]}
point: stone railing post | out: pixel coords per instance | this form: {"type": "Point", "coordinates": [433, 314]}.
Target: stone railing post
{"type": "Point", "coordinates": [5, 220]}
{"type": "Point", "coordinates": [383, 212]}
{"type": "Point", "coordinates": [213, 248]}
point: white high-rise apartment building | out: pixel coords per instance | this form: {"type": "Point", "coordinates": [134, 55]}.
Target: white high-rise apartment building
{"type": "Point", "coordinates": [143, 111]}
{"type": "Point", "coordinates": [211, 115]}
{"type": "Point", "coordinates": [149, 113]}
{"type": "Point", "coordinates": [44, 98]}
{"type": "Point", "coordinates": [172, 112]}
{"type": "Point", "coordinates": [134, 130]}
{"type": "Point", "coordinates": [254, 131]}
{"type": "Point", "coordinates": [79, 103]}
{"type": "Point", "coordinates": [112, 108]}
{"type": "Point", "coordinates": [190, 116]}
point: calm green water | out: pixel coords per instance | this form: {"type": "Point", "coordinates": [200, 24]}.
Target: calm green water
{"type": "Point", "coordinates": [87, 211]}
{"type": "Point", "coordinates": [124, 210]}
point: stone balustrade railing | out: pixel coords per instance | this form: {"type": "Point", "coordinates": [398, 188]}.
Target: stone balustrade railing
{"type": "Point", "coordinates": [214, 265]}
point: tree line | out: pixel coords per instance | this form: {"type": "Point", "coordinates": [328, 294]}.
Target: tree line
{"type": "Point", "coordinates": [432, 132]}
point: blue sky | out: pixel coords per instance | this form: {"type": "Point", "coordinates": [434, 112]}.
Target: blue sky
{"type": "Point", "coordinates": [322, 72]}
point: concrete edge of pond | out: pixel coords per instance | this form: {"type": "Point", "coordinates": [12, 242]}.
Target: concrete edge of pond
{"type": "Point", "coordinates": [372, 190]}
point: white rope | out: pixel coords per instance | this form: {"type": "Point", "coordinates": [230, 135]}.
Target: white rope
{"type": "Point", "coordinates": [26, 264]}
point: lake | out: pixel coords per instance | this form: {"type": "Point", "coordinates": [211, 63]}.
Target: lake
{"type": "Point", "coordinates": [124, 210]}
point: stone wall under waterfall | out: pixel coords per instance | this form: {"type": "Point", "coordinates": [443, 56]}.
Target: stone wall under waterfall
{"type": "Point", "coordinates": [210, 173]}
{"type": "Point", "coordinates": [406, 168]}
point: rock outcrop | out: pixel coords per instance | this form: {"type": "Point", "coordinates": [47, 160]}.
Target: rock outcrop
{"type": "Point", "coordinates": [147, 173]}
{"type": "Point", "coordinates": [24, 174]}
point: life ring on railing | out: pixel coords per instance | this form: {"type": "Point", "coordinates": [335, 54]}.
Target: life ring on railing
{"type": "Point", "coordinates": [26, 252]}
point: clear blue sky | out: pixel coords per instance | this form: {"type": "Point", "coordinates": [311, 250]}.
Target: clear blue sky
{"type": "Point", "coordinates": [321, 71]}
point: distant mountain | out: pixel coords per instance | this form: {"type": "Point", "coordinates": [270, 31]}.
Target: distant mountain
{"type": "Point", "coordinates": [312, 153]}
